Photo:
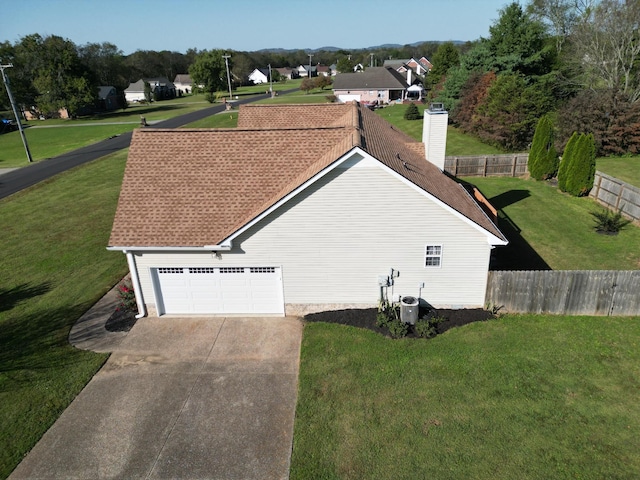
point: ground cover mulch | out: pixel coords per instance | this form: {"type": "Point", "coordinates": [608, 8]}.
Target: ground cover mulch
{"type": "Point", "coordinates": [366, 318]}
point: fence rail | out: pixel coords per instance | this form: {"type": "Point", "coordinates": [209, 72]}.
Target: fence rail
{"type": "Point", "coordinates": [503, 165]}
{"type": "Point", "coordinates": [566, 292]}
{"type": "Point", "coordinates": [616, 195]}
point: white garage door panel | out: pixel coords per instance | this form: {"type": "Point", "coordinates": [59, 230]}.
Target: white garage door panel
{"type": "Point", "coordinates": [225, 290]}
{"type": "Point", "coordinates": [344, 98]}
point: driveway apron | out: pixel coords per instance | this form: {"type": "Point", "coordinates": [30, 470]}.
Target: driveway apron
{"type": "Point", "coordinates": [182, 398]}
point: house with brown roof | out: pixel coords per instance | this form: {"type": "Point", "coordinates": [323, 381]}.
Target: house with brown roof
{"type": "Point", "coordinates": [300, 208]}
{"type": "Point", "coordinates": [375, 85]}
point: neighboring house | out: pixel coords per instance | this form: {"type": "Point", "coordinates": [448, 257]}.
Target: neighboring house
{"type": "Point", "coordinates": [323, 70]}
{"type": "Point", "coordinates": [333, 68]}
{"type": "Point", "coordinates": [420, 67]}
{"type": "Point", "coordinates": [288, 73]}
{"type": "Point", "coordinates": [375, 85]}
{"type": "Point", "coordinates": [183, 83]}
{"type": "Point", "coordinates": [303, 71]}
{"type": "Point", "coordinates": [108, 97]}
{"type": "Point", "coordinates": [160, 86]}
{"type": "Point", "coordinates": [259, 75]}
{"type": "Point", "coordinates": [301, 208]}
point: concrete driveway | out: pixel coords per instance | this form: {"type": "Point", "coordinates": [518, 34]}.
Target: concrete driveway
{"type": "Point", "coordinates": [182, 398]}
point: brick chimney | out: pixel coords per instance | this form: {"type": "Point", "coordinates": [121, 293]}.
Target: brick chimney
{"type": "Point", "coordinates": [434, 134]}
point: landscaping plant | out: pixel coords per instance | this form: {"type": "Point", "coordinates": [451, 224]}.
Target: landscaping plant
{"type": "Point", "coordinates": [412, 112]}
{"type": "Point", "coordinates": [608, 222]}
{"type": "Point", "coordinates": [127, 297]}
{"type": "Point", "coordinates": [543, 159]}
{"type": "Point", "coordinates": [579, 159]}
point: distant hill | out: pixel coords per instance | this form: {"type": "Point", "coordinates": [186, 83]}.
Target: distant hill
{"type": "Point", "coordinates": [335, 49]}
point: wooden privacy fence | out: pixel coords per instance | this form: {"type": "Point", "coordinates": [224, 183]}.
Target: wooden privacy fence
{"type": "Point", "coordinates": [566, 292]}
{"type": "Point", "coordinates": [503, 165]}
{"type": "Point", "coordinates": [616, 195]}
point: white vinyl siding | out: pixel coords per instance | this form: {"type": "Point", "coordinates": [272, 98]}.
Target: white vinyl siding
{"type": "Point", "coordinates": [338, 236]}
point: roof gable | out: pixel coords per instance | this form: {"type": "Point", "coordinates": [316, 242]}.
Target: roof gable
{"type": "Point", "coordinates": [197, 187]}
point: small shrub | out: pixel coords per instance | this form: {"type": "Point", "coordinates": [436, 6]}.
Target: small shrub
{"type": "Point", "coordinates": [382, 319]}
{"type": "Point", "coordinates": [127, 297]}
{"type": "Point", "coordinates": [608, 222]}
{"type": "Point", "coordinates": [427, 327]}
{"type": "Point", "coordinates": [398, 329]}
{"type": "Point", "coordinates": [412, 112]}
{"type": "Point", "coordinates": [331, 98]}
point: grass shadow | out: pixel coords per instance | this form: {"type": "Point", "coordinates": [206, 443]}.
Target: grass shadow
{"type": "Point", "coordinates": [518, 254]}
{"type": "Point", "coordinates": [10, 297]}
{"type": "Point", "coordinates": [509, 198]}
{"type": "Point", "coordinates": [37, 340]}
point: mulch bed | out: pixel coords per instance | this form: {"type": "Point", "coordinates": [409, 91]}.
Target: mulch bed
{"type": "Point", "coordinates": [366, 318]}
{"type": "Point", "coordinates": [121, 320]}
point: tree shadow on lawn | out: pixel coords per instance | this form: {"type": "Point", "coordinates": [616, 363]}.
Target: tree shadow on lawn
{"type": "Point", "coordinates": [37, 340]}
{"type": "Point", "coordinates": [10, 297]}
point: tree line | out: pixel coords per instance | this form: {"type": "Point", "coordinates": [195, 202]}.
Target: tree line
{"type": "Point", "coordinates": [577, 61]}
{"type": "Point", "coordinates": [51, 72]}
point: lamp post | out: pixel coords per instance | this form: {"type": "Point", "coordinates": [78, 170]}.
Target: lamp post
{"type": "Point", "coordinates": [5, 79]}
{"type": "Point", "coordinates": [226, 62]}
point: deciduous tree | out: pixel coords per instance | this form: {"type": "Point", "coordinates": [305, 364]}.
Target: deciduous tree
{"type": "Point", "coordinates": [209, 69]}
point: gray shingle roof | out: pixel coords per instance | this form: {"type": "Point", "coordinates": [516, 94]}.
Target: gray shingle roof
{"type": "Point", "coordinates": [376, 78]}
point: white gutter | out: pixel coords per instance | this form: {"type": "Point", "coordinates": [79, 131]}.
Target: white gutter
{"type": "Point", "coordinates": [206, 248]}
{"type": "Point", "coordinates": [137, 289]}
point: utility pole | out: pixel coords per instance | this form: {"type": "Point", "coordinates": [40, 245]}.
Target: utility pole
{"type": "Point", "coordinates": [310, 55]}
{"type": "Point", "coordinates": [371, 64]}
{"type": "Point", "coordinates": [270, 82]}
{"type": "Point", "coordinates": [5, 79]}
{"type": "Point", "coordinates": [226, 62]}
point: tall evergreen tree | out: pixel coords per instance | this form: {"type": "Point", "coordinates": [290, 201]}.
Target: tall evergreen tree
{"type": "Point", "coordinates": [567, 158]}
{"type": "Point", "coordinates": [581, 170]}
{"type": "Point", "coordinates": [543, 159]}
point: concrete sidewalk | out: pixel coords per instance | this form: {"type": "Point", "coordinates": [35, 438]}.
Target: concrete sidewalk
{"type": "Point", "coordinates": [182, 398]}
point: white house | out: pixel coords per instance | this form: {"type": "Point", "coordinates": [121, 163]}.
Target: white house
{"type": "Point", "coordinates": [259, 75]}
{"type": "Point", "coordinates": [300, 208]}
{"type": "Point", "coordinates": [375, 85]}
{"type": "Point", "coordinates": [183, 83]}
{"type": "Point", "coordinates": [135, 91]}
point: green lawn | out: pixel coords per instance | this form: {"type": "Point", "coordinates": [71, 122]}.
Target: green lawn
{"type": "Point", "coordinates": [55, 266]}
{"type": "Point", "coordinates": [624, 168]}
{"type": "Point", "coordinates": [458, 143]}
{"type": "Point", "coordinates": [520, 397]}
{"type": "Point", "coordinates": [549, 229]}
{"type": "Point", "coordinates": [67, 135]}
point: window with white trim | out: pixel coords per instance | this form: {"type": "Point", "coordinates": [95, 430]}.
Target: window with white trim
{"type": "Point", "coordinates": [433, 256]}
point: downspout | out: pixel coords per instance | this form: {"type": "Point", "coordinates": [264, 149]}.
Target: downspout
{"type": "Point", "coordinates": [135, 280]}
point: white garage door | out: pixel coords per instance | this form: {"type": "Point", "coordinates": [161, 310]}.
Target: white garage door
{"type": "Point", "coordinates": [348, 98]}
{"type": "Point", "coordinates": [219, 290]}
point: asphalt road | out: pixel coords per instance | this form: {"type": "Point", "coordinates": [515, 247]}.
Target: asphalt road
{"type": "Point", "coordinates": [16, 180]}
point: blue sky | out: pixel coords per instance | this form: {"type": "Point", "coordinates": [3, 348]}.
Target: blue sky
{"type": "Point", "coordinates": [248, 25]}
